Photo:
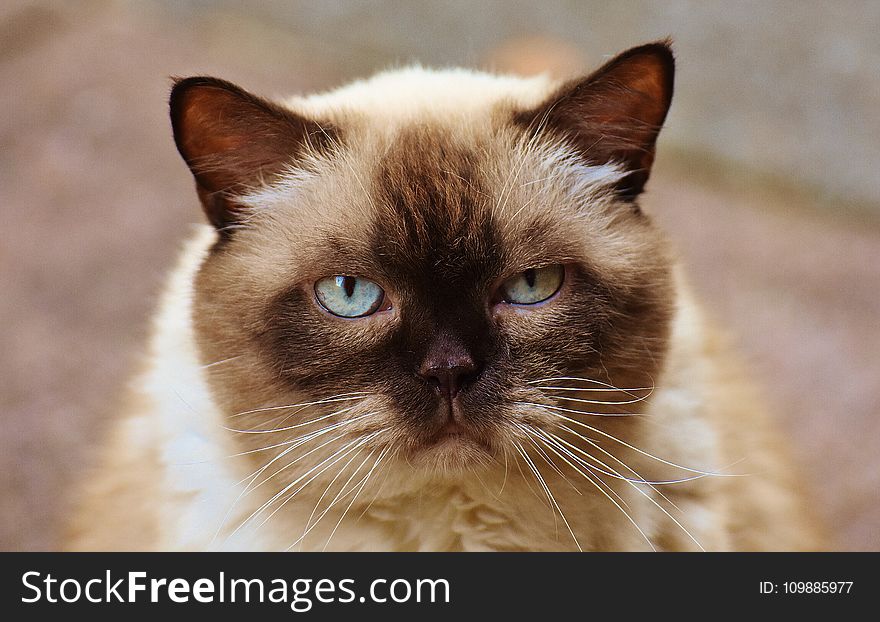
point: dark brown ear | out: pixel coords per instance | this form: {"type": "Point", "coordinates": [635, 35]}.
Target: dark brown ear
{"type": "Point", "coordinates": [615, 114]}
{"type": "Point", "coordinates": [233, 141]}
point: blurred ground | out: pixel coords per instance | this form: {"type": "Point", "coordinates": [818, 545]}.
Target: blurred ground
{"type": "Point", "coordinates": [95, 202]}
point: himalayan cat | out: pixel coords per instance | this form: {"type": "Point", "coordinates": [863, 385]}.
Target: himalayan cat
{"type": "Point", "coordinates": [429, 315]}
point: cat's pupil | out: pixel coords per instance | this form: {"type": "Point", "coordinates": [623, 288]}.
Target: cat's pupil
{"type": "Point", "coordinates": [348, 283]}
{"type": "Point", "coordinates": [530, 277]}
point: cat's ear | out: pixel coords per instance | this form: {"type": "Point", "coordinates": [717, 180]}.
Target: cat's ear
{"type": "Point", "coordinates": [233, 141]}
{"type": "Point", "coordinates": [615, 114]}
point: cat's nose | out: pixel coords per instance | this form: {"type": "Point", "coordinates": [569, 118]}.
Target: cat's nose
{"type": "Point", "coordinates": [448, 375]}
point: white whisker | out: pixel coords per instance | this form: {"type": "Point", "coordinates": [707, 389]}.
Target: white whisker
{"type": "Point", "coordinates": [642, 492]}
{"type": "Point", "coordinates": [581, 400]}
{"type": "Point", "coordinates": [551, 440]}
{"type": "Point", "coordinates": [526, 481]}
{"type": "Point", "coordinates": [543, 454]}
{"type": "Point", "coordinates": [595, 389]}
{"type": "Point", "coordinates": [332, 459]}
{"type": "Point", "coordinates": [591, 381]}
{"type": "Point", "coordinates": [343, 397]}
{"type": "Point", "coordinates": [309, 526]}
{"type": "Point", "coordinates": [641, 480]}
{"type": "Point", "coordinates": [641, 451]}
{"type": "Point", "coordinates": [294, 443]}
{"type": "Point", "coordinates": [354, 498]}
{"type": "Point", "coordinates": [549, 494]}
{"type": "Point", "coordinates": [354, 446]}
{"type": "Point", "coordinates": [247, 490]}
{"type": "Point", "coordinates": [379, 489]}
{"type": "Point", "coordinates": [221, 362]}
{"type": "Point", "coordinates": [290, 427]}
{"type": "Point", "coordinates": [305, 437]}
{"type": "Point", "coordinates": [504, 481]}
{"type": "Point", "coordinates": [600, 489]}
{"type": "Point", "coordinates": [578, 412]}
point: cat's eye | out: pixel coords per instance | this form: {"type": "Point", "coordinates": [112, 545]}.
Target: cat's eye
{"type": "Point", "coordinates": [532, 286]}
{"type": "Point", "coordinates": [349, 296]}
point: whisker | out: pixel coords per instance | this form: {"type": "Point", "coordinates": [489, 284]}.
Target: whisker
{"type": "Point", "coordinates": [295, 443]}
{"type": "Point", "coordinates": [354, 498]}
{"type": "Point", "coordinates": [246, 491]}
{"type": "Point", "coordinates": [311, 451]}
{"type": "Point", "coordinates": [539, 480]}
{"type": "Point", "coordinates": [592, 381]}
{"type": "Point", "coordinates": [550, 439]}
{"type": "Point", "coordinates": [259, 471]}
{"type": "Point", "coordinates": [305, 437]}
{"type": "Point", "coordinates": [526, 480]}
{"type": "Point", "coordinates": [378, 490]}
{"type": "Point", "coordinates": [333, 458]}
{"type": "Point", "coordinates": [358, 444]}
{"type": "Point", "coordinates": [641, 480]}
{"type": "Point", "coordinates": [547, 459]}
{"type": "Point", "coordinates": [606, 402]}
{"type": "Point", "coordinates": [611, 471]}
{"type": "Point", "coordinates": [221, 362]}
{"type": "Point", "coordinates": [642, 492]}
{"type": "Point", "coordinates": [336, 499]}
{"type": "Point", "coordinates": [290, 427]}
{"type": "Point", "coordinates": [641, 451]}
{"type": "Point", "coordinates": [282, 418]}
{"type": "Point", "coordinates": [488, 490]}
{"type": "Point", "coordinates": [671, 517]}
{"type": "Point", "coordinates": [342, 397]}
{"type": "Point", "coordinates": [504, 481]}
{"type": "Point", "coordinates": [594, 389]}
{"type": "Point", "coordinates": [549, 493]}
{"type": "Point", "coordinates": [616, 504]}
{"type": "Point", "coordinates": [578, 412]}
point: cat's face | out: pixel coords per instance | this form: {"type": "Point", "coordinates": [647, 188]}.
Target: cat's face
{"type": "Point", "coordinates": [416, 286]}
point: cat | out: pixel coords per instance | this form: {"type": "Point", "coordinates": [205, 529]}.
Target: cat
{"type": "Point", "coordinates": [429, 314]}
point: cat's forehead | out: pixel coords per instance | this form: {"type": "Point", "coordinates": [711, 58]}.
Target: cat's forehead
{"type": "Point", "coordinates": [432, 198]}
{"type": "Point", "coordinates": [465, 202]}
{"type": "Point", "coordinates": [462, 202]}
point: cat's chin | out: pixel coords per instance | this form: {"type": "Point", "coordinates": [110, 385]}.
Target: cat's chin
{"type": "Point", "coordinates": [451, 453]}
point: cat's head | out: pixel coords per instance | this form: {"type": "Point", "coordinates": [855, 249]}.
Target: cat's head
{"type": "Point", "coordinates": [409, 265]}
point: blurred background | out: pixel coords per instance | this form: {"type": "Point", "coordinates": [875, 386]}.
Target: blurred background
{"type": "Point", "coordinates": [766, 178]}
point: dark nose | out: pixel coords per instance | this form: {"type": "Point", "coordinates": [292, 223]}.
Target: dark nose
{"type": "Point", "coordinates": [450, 380]}
{"type": "Point", "coordinates": [449, 369]}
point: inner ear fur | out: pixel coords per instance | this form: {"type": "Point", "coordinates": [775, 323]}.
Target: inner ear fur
{"type": "Point", "coordinates": [232, 140]}
{"type": "Point", "coordinates": [615, 114]}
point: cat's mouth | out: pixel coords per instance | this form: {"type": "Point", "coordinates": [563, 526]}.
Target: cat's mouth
{"type": "Point", "coordinates": [452, 446]}
{"type": "Point", "coordinates": [451, 429]}
{"type": "Point", "coordinates": [451, 432]}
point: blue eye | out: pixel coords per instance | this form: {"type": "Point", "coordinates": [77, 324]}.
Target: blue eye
{"type": "Point", "coordinates": [533, 285]}
{"type": "Point", "coordinates": [349, 296]}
